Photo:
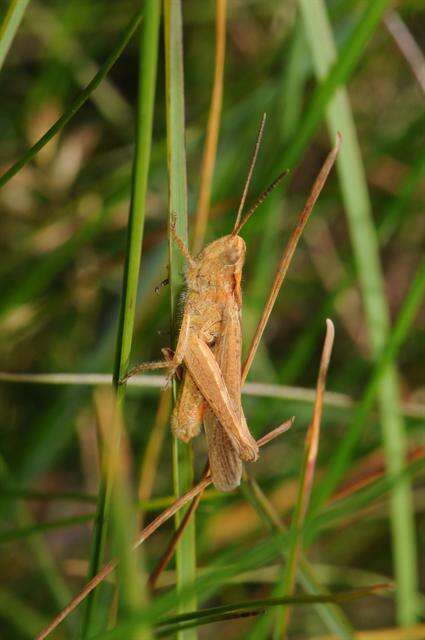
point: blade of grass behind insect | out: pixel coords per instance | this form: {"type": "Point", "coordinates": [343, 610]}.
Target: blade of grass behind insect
{"type": "Point", "coordinates": [79, 100]}
{"type": "Point", "coordinates": [10, 25]}
{"type": "Point", "coordinates": [176, 154]}
{"type": "Point", "coordinates": [293, 81]}
{"type": "Point", "coordinates": [359, 214]}
{"type": "Point", "coordinates": [213, 128]}
{"type": "Point", "coordinates": [148, 56]}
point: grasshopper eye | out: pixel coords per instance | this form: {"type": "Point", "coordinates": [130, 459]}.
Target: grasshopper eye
{"type": "Point", "coordinates": [231, 256]}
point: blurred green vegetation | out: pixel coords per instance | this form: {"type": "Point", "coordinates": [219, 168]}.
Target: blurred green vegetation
{"type": "Point", "coordinates": [63, 241]}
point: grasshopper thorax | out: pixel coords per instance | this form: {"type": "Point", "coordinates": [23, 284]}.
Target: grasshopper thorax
{"type": "Point", "coordinates": [219, 266]}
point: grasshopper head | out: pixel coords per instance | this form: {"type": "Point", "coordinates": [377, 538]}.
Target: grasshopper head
{"type": "Point", "coordinates": [225, 254]}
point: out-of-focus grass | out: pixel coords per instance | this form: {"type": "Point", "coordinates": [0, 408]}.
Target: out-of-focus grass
{"type": "Point", "coordinates": [365, 245]}
{"type": "Point", "coordinates": [10, 25]}
{"type": "Point", "coordinates": [63, 244]}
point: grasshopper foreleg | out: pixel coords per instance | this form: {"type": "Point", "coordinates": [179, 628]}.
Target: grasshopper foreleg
{"type": "Point", "coordinates": [171, 364]}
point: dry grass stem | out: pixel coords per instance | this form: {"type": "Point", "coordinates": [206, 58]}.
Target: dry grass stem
{"type": "Point", "coordinates": [213, 127]}
{"type": "Point", "coordinates": [307, 473]}
{"type": "Point", "coordinates": [289, 252]}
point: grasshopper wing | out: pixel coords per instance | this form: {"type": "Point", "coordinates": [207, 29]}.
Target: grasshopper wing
{"type": "Point", "coordinates": [208, 377]}
{"type": "Point", "coordinates": [225, 463]}
{"type": "Point", "coordinates": [187, 416]}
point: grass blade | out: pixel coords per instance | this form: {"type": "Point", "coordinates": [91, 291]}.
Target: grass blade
{"type": "Point", "coordinates": [148, 56]}
{"type": "Point", "coordinates": [363, 235]}
{"type": "Point", "coordinates": [10, 25]}
{"type": "Point", "coordinates": [78, 102]}
{"type": "Point", "coordinates": [176, 153]}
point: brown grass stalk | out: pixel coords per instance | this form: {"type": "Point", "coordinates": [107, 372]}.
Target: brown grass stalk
{"type": "Point", "coordinates": [213, 127]}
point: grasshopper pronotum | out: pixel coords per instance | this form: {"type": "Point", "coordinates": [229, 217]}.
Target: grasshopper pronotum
{"type": "Point", "coordinates": [210, 345]}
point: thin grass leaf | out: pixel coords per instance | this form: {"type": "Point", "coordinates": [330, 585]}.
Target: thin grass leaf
{"type": "Point", "coordinates": [337, 75]}
{"type": "Point", "coordinates": [10, 25]}
{"type": "Point", "coordinates": [257, 389]}
{"type": "Point", "coordinates": [288, 254]}
{"type": "Point", "coordinates": [148, 56]}
{"type": "Point", "coordinates": [78, 102]}
{"type": "Point", "coordinates": [108, 99]}
{"type": "Point", "coordinates": [257, 607]}
{"type": "Point", "coordinates": [176, 153]}
{"type": "Point", "coordinates": [263, 603]}
{"type": "Point", "coordinates": [365, 245]}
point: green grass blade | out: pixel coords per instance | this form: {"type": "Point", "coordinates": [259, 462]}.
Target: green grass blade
{"type": "Point", "coordinates": [78, 102]}
{"type": "Point", "coordinates": [363, 234]}
{"type": "Point", "coordinates": [337, 74]}
{"type": "Point", "coordinates": [342, 456]}
{"type": "Point", "coordinates": [146, 96]}
{"type": "Point", "coordinates": [25, 532]}
{"type": "Point", "coordinates": [60, 41]}
{"type": "Point", "coordinates": [341, 596]}
{"type": "Point", "coordinates": [10, 25]}
{"type": "Point", "coordinates": [182, 453]}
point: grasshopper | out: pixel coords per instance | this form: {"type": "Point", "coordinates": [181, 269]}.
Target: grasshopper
{"type": "Point", "coordinates": [209, 346]}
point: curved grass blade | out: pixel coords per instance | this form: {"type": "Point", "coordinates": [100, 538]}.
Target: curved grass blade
{"type": "Point", "coordinates": [78, 102]}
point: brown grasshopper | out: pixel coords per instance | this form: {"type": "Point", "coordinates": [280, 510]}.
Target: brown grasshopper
{"type": "Point", "coordinates": [210, 347]}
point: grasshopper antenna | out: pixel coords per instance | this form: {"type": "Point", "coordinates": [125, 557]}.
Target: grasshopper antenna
{"type": "Point", "coordinates": [250, 172]}
{"type": "Point", "coordinates": [259, 201]}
